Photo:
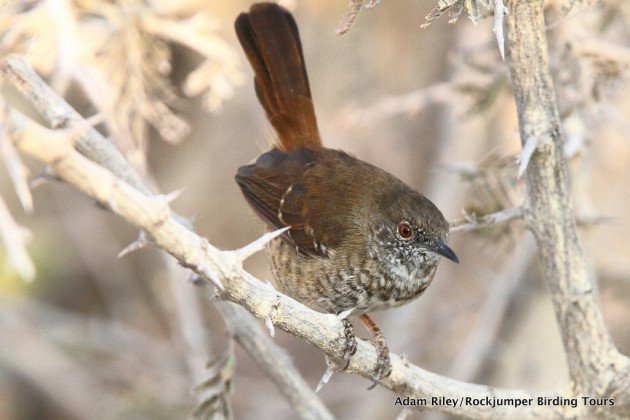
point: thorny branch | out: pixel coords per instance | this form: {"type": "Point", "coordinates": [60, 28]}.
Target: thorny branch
{"type": "Point", "coordinates": [410, 103]}
{"type": "Point", "coordinates": [36, 331]}
{"type": "Point", "coordinates": [90, 143]}
{"type": "Point", "coordinates": [153, 215]}
{"type": "Point", "coordinates": [472, 222]}
{"type": "Point", "coordinates": [14, 237]}
{"type": "Point", "coordinates": [324, 331]}
{"type": "Point", "coordinates": [596, 367]}
{"type": "Point", "coordinates": [17, 171]}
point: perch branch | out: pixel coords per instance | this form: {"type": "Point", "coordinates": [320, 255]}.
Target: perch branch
{"type": "Point", "coordinates": [295, 389]}
{"type": "Point", "coordinates": [324, 331]}
{"type": "Point", "coordinates": [101, 151]}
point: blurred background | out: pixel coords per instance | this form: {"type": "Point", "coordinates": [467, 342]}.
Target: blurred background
{"type": "Point", "coordinates": [94, 336]}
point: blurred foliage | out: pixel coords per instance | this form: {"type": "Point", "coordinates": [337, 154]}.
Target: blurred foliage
{"type": "Point", "coordinates": [119, 54]}
{"type": "Point", "coordinates": [434, 108]}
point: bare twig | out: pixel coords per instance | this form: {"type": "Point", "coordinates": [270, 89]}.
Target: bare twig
{"type": "Point", "coordinates": [295, 388]}
{"type": "Point", "coordinates": [188, 321]}
{"type": "Point", "coordinates": [100, 150]}
{"type": "Point", "coordinates": [14, 237]}
{"type": "Point", "coordinates": [17, 171]}
{"type": "Point", "coordinates": [67, 332]}
{"type": "Point", "coordinates": [481, 340]}
{"type": "Point", "coordinates": [603, 49]}
{"type": "Point", "coordinates": [410, 103]}
{"type": "Point", "coordinates": [350, 17]}
{"type": "Point", "coordinates": [441, 7]}
{"type": "Point", "coordinates": [26, 351]}
{"type": "Point", "coordinates": [323, 331]}
{"type": "Point", "coordinates": [595, 365]}
{"type": "Point", "coordinates": [472, 222]}
{"type": "Point", "coordinates": [59, 114]}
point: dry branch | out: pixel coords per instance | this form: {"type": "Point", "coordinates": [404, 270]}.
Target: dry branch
{"type": "Point", "coordinates": [323, 331]}
{"type": "Point", "coordinates": [482, 340]}
{"type": "Point", "coordinates": [153, 214]}
{"type": "Point", "coordinates": [472, 222]}
{"type": "Point", "coordinates": [596, 368]}
{"type": "Point", "coordinates": [100, 150]}
{"type": "Point", "coordinates": [410, 103]}
{"type": "Point", "coordinates": [14, 238]}
{"type": "Point", "coordinates": [17, 171]}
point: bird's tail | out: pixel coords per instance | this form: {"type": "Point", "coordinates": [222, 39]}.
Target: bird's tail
{"type": "Point", "coordinates": [271, 41]}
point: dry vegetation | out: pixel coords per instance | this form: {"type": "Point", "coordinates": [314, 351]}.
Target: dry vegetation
{"type": "Point", "coordinates": [86, 335]}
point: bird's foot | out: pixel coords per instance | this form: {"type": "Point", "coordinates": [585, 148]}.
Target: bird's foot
{"type": "Point", "coordinates": [351, 343]}
{"type": "Point", "coordinates": [383, 364]}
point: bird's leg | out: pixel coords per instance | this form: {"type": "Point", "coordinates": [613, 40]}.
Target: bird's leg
{"type": "Point", "coordinates": [351, 340]}
{"type": "Point", "coordinates": [349, 350]}
{"type": "Point", "coordinates": [383, 364]}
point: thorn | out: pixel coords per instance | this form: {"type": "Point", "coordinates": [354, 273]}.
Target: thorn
{"type": "Point", "coordinates": [330, 370]}
{"type": "Point", "coordinates": [531, 143]}
{"type": "Point", "coordinates": [497, 27]}
{"type": "Point", "coordinates": [404, 413]}
{"type": "Point", "coordinates": [170, 197]}
{"type": "Point", "coordinates": [205, 271]}
{"type": "Point", "coordinates": [404, 359]}
{"type": "Point", "coordinates": [59, 122]}
{"type": "Point", "coordinates": [25, 269]}
{"type": "Point", "coordinates": [187, 222]}
{"type": "Point", "coordinates": [594, 220]}
{"type": "Point", "coordinates": [270, 327]}
{"type": "Point", "coordinates": [345, 314]}
{"type": "Point", "coordinates": [26, 199]}
{"type": "Point", "coordinates": [46, 174]}
{"type": "Point", "coordinates": [273, 313]}
{"type": "Point", "coordinates": [194, 278]}
{"type": "Point", "coordinates": [258, 245]}
{"type": "Point", "coordinates": [79, 128]}
{"type": "Point", "coordinates": [95, 119]}
{"type": "Point", "coordinates": [140, 243]}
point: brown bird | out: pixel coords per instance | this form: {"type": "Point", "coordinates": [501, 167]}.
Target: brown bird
{"type": "Point", "coordinates": [360, 239]}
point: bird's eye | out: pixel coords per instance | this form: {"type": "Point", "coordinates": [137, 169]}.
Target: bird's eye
{"type": "Point", "coordinates": [405, 231]}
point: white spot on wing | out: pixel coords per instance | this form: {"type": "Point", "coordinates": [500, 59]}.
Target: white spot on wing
{"type": "Point", "coordinates": [284, 195]}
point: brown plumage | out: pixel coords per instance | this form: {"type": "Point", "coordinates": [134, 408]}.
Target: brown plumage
{"type": "Point", "coordinates": [271, 41]}
{"type": "Point", "coordinates": [359, 238]}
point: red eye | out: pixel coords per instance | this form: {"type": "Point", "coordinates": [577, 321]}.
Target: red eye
{"type": "Point", "coordinates": [405, 231]}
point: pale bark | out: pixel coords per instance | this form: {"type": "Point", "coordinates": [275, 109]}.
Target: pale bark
{"type": "Point", "coordinates": [597, 369]}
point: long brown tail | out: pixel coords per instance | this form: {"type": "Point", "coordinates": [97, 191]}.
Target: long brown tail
{"type": "Point", "coordinates": [271, 41]}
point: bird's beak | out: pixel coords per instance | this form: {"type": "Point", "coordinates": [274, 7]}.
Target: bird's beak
{"type": "Point", "coordinates": [443, 250]}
